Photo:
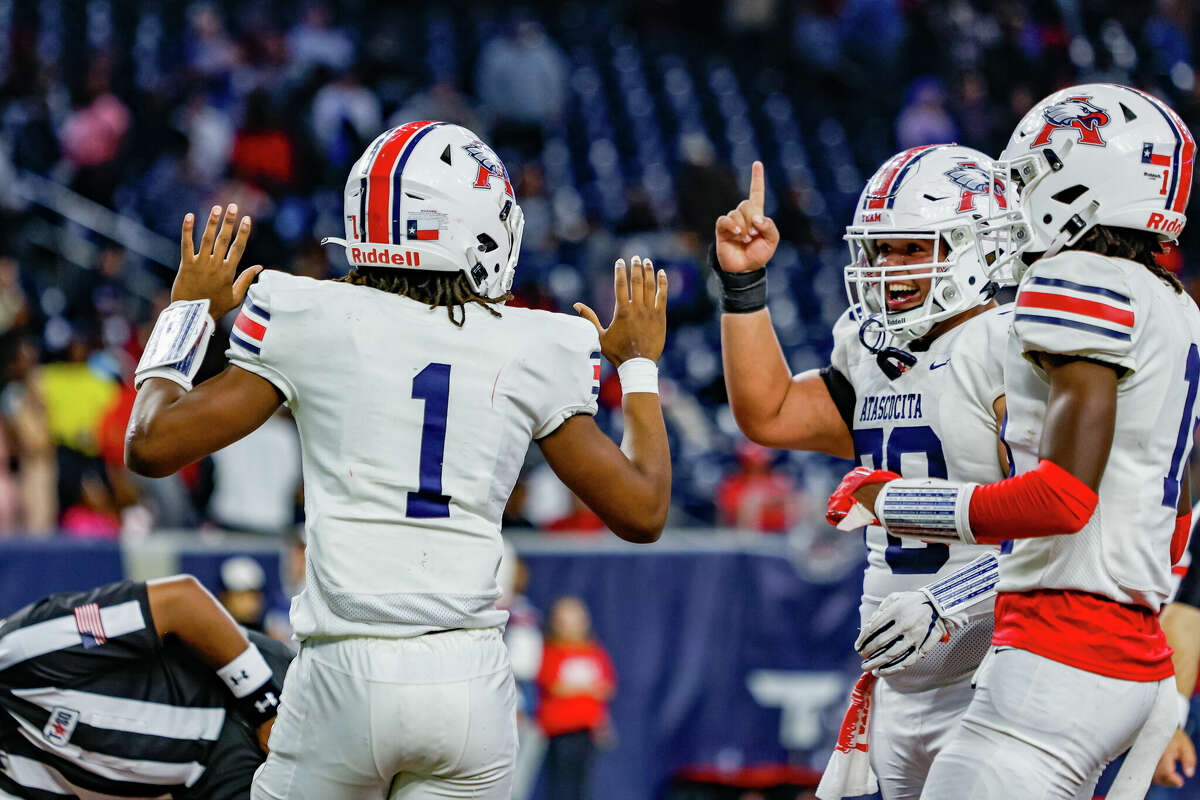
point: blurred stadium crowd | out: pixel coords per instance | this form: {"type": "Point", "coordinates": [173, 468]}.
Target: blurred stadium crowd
{"type": "Point", "coordinates": [628, 127]}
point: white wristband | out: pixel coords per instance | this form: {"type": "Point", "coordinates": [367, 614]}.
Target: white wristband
{"type": "Point", "coordinates": [177, 344]}
{"type": "Point", "coordinates": [930, 509]}
{"type": "Point", "coordinates": [1185, 705]}
{"type": "Point", "coordinates": [246, 673]}
{"type": "Point", "coordinates": [638, 375]}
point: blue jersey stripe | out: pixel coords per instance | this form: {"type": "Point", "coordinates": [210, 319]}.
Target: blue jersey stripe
{"type": "Point", "coordinates": [1081, 287]}
{"type": "Point", "coordinates": [251, 307]}
{"type": "Point", "coordinates": [1070, 323]}
{"type": "Point", "coordinates": [238, 340]}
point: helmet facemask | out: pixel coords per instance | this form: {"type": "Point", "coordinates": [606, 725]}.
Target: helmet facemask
{"type": "Point", "coordinates": [960, 273]}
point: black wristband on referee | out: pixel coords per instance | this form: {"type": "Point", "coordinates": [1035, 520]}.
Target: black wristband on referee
{"type": "Point", "coordinates": [260, 705]}
{"type": "Point", "coordinates": [741, 292]}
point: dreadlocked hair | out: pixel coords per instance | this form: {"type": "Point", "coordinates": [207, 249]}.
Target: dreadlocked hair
{"type": "Point", "coordinates": [1139, 246]}
{"type": "Point", "coordinates": [433, 289]}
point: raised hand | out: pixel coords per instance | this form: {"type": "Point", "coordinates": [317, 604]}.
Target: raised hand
{"type": "Point", "coordinates": [639, 324]}
{"type": "Point", "coordinates": [746, 238]}
{"type": "Point", "coordinates": [210, 272]}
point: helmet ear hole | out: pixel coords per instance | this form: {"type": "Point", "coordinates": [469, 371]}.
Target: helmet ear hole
{"type": "Point", "coordinates": [486, 243]}
{"type": "Point", "coordinates": [1069, 195]}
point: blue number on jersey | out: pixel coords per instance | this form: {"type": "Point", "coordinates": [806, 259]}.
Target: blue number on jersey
{"type": "Point", "coordinates": [1191, 376]}
{"type": "Point", "coordinates": [432, 385]}
{"type": "Point", "coordinates": [924, 559]}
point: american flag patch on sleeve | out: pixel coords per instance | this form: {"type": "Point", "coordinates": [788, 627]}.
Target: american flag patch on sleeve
{"type": "Point", "coordinates": [90, 625]}
{"type": "Point", "coordinates": [1093, 309]}
{"type": "Point", "coordinates": [595, 358]}
{"type": "Point", "coordinates": [249, 328]}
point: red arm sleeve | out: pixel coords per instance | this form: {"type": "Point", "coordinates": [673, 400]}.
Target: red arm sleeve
{"type": "Point", "coordinates": [1047, 501]}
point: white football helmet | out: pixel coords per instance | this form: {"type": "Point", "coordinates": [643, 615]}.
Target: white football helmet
{"type": "Point", "coordinates": [1098, 154]}
{"type": "Point", "coordinates": [944, 193]}
{"type": "Point", "coordinates": [432, 196]}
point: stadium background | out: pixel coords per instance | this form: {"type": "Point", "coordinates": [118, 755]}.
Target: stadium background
{"type": "Point", "coordinates": [627, 128]}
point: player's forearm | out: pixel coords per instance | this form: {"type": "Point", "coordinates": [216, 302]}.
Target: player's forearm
{"type": "Point", "coordinates": [771, 406]}
{"type": "Point", "coordinates": [646, 447]}
{"type": "Point", "coordinates": [1181, 623]}
{"type": "Point", "coordinates": [170, 428]}
{"type": "Point", "coordinates": [757, 376]}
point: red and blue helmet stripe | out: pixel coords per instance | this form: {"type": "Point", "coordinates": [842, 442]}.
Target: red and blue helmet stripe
{"type": "Point", "coordinates": [893, 172]}
{"type": "Point", "coordinates": [381, 195]}
{"type": "Point", "coordinates": [1182, 157]}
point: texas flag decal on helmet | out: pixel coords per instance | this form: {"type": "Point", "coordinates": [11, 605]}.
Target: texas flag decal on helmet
{"type": "Point", "coordinates": [423, 226]}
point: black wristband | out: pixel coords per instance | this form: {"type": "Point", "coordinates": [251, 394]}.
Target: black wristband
{"type": "Point", "coordinates": [741, 292]}
{"type": "Point", "coordinates": [260, 705]}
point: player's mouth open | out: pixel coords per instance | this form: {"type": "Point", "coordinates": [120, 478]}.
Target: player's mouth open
{"type": "Point", "coordinates": [902, 295]}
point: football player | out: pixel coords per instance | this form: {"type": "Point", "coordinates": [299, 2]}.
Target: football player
{"type": "Point", "coordinates": [1101, 376]}
{"type": "Point", "coordinates": [416, 392]}
{"type": "Point", "coordinates": [915, 385]}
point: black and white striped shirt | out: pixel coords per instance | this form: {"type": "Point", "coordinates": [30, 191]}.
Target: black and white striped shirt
{"type": "Point", "coordinates": [94, 704]}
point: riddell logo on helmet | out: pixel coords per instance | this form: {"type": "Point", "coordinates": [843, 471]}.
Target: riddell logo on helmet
{"type": "Point", "coordinates": [385, 257]}
{"type": "Point", "coordinates": [1078, 114]}
{"type": "Point", "coordinates": [1158, 222]}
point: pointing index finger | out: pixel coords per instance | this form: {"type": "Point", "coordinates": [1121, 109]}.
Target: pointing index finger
{"type": "Point", "coordinates": [758, 186]}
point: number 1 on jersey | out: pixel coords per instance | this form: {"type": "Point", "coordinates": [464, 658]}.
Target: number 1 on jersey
{"type": "Point", "coordinates": [1191, 376]}
{"type": "Point", "coordinates": [432, 385]}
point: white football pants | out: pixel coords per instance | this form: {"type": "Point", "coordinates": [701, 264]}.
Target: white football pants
{"type": "Point", "coordinates": [1038, 730]}
{"type": "Point", "coordinates": [908, 729]}
{"type": "Point", "coordinates": [433, 716]}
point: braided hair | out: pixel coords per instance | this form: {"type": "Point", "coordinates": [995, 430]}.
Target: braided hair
{"type": "Point", "coordinates": [1139, 246]}
{"type": "Point", "coordinates": [433, 289]}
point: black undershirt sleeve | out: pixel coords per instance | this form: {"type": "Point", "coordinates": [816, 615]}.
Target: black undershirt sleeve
{"type": "Point", "coordinates": [842, 393]}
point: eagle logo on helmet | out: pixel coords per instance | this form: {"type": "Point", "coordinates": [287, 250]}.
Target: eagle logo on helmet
{"type": "Point", "coordinates": [1077, 114]}
{"type": "Point", "coordinates": [489, 167]}
{"type": "Point", "coordinates": [973, 180]}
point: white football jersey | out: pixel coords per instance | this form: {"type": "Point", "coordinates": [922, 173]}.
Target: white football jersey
{"type": "Point", "coordinates": [1117, 311]}
{"type": "Point", "coordinates": [936, 420]}
{"type": "Point", "coordinates": [413, 432]}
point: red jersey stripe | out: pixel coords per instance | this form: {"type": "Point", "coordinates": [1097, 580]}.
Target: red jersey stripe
{"type": "Point", "coordinates": [377, 225]}
{"type": "Point", "coordinates": [1075, 305]}
{"type": "Point", "coordinates": [249, 326]}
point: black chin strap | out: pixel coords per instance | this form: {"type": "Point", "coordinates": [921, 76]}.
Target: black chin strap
{"type": "Point", "coordinates": [892, 360]}
{"type": "Point", "coordinates": [895, 362]}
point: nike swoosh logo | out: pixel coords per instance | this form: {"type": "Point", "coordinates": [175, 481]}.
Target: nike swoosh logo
{"type": "Point", "coordinates": [936, 366]}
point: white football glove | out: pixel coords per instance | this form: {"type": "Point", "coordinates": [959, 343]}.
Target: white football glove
{"type": "Point", "coordinates": [902, 630]}
{"type": "Point", "coordinates": [907, 625]}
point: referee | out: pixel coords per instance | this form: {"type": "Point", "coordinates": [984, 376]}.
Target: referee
{"type": "Point", "coordinates": [1180, 621]}
{"type": "Point", "coordinates": [134, 690]}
